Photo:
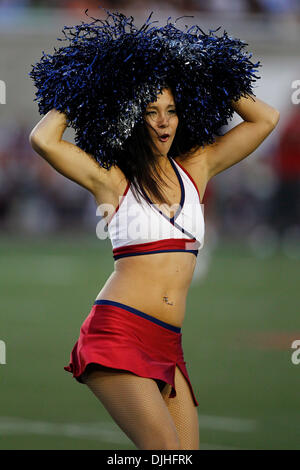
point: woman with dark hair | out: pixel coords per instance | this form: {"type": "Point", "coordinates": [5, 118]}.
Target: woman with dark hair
{"type": "Point", "coordinates": [129, 352]}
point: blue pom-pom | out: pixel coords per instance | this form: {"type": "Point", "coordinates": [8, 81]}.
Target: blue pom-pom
{"type": "Point", "coordinates": [109, 71]}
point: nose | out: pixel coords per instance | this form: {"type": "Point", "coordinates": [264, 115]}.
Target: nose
{"type": "Point", "coordinates": [163, 120]}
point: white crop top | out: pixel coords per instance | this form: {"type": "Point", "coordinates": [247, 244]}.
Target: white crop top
{"type": "Point", "coordinates": [138, 229]}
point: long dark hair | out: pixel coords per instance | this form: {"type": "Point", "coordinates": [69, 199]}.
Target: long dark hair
{"type": "Point", "coordinates": [139, 162]}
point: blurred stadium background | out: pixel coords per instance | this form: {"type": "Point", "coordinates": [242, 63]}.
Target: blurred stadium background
{"type": "Point", "coordinates": [243, 307]}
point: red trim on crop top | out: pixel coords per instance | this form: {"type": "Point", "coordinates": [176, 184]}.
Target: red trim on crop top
{"type": "Point", "coordinates": [166, 244]}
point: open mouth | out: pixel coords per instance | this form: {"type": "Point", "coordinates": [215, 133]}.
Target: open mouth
{"type": "Point", "coordinates": [164, 137]}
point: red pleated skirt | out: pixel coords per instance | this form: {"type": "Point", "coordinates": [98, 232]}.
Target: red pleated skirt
{"type": "Point", "coordinates": [118, 336]}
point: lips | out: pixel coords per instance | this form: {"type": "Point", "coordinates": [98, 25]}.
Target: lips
{"type": "Point", "coordinates": [164, 137]}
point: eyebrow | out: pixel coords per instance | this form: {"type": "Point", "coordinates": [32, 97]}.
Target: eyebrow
{"type": "Point", "coordinates": [169, 106]}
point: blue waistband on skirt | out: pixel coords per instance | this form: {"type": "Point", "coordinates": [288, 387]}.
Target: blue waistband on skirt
{"type": "Point", "coordinates": [138, 312]}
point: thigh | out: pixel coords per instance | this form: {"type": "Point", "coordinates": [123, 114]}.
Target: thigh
{"type": "Point", "coordinates": [136, 405]}
{"type": "Point", "coordinates": [183, 411]}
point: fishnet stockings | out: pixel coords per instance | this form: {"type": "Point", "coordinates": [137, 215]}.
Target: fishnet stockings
{"type": "Point", "coordinates": [183, 411]}
{"type": "Point", "coordinates": [136, 405]}
{"type": "Point", "coordinates": [148, 417]}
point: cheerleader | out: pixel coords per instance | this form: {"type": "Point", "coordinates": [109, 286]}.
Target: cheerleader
{"type": "Point", "coordinates": [146, 104]}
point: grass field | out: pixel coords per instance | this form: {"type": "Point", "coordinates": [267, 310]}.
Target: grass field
{"type": "Point", "coordinates": [240, 323]}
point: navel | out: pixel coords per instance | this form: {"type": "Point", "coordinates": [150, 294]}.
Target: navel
{"type": "Point", "coordinates": [166, 300]}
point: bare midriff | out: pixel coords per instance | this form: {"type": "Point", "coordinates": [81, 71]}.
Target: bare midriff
{"type": "Point", "coordinates": [156, 284]}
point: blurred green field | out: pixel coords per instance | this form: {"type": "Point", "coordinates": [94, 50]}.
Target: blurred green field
{"type": "Point", "coordinates": [240, 323]}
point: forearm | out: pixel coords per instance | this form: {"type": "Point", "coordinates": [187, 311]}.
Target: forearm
{"type": "Point", "coordinates": [255, 111]}
{"type": "Point", "coordinates": [50, 128]}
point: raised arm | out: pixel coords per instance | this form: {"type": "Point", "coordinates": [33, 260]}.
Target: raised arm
{"type": "Point", "coordinates": [259, 121]}
{"type": "Point", "coordinates": [67, 158]}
